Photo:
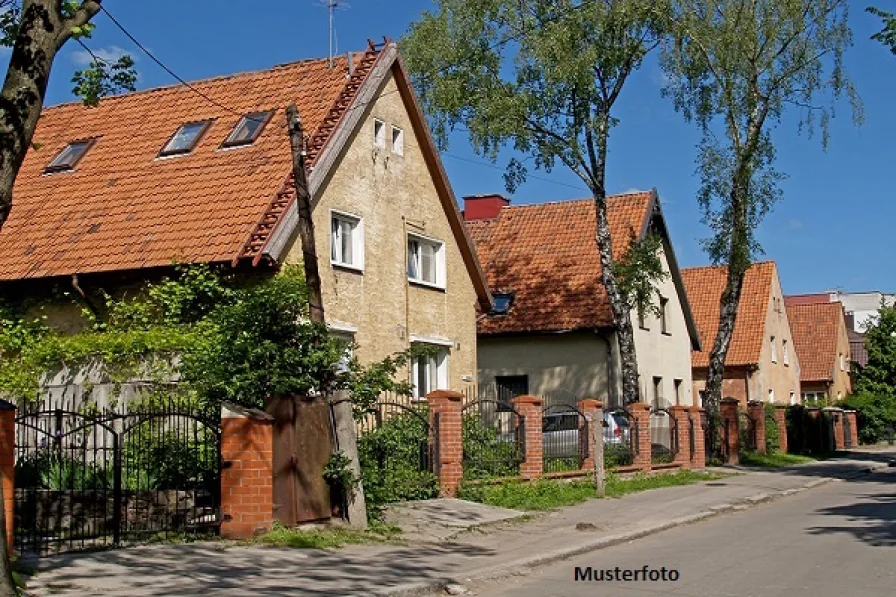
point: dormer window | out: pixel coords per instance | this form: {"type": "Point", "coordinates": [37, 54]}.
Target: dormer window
{"type": "Point", "coordinates": [501, 302]}
{"type": "Point", "coordinates": [69, 156]}
{"type": "Point", "coordinates": [248, 129]}
{"type": "Point", "coordinates": [186, 138]}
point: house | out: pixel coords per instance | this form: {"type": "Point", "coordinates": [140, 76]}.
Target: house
{"type": "Point", "coordinates": [821, 341]}
{"type": "Point", "coordinates": [761, 363]}
{"type": "Point", "coordinates": [861, 308]}
{"type": "Point", "coordinates": [203, 174]}
{"type": "Point", "coordinates": [551, 330]}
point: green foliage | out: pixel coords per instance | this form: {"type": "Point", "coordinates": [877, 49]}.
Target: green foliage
{"type": "Point", "coordinates": [875, 415]}
{"type": "Point", "coordinates": [616, 455]}
{"type": "Point", "coordinates": [392, 458]}
{"type": "Point", "coordinates": [157, 457]}
{"type": "Point", "coordinates": [338, 472]}
{"type": "Point", "coordinates": [488, 455]}
{"type": "Point", "coordinates": [772, 439]}
{"type": "Point", "coordinates": [887, 35]}
{"type": "Point", "coordinates": [640, 270]}
{"type": "Point", "coordinates": [326, 538]}
{"type": "Point", "coordinates": [773, 459]}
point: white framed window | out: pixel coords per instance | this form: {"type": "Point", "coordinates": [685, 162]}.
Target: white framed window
{"type": "Point", "coordinates": [677, 392]}
{"type": "Point", "coordinates": [664, 315]}
{"type": "Point", "coordinates": [348, 340]}
{"type": "Point", "coordinates": [842, 362]}
{"type": "Point", "coordinates": [771, 396]}
{"type": "Point", "coordinates": [379, 133]}
{"type": "Point", "coordinates": [774, 348]}
{"type": "Point", "coordinates": [793, 398]}
{"type": "Point", "coordinates": [430, 372]}
{"type": "Point", "coordinates": [346, 240]}
{"type": "Point", "coordinates": [784, 350]}
{"type": "Point", "coordinates": [397, 140]}
{"type": "Point", "coordinates": [426, 261]}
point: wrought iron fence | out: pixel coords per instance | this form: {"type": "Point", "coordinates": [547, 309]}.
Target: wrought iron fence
{"type": "Point", "coordinates": [620, 439]}
{"type": "Point", "coordinates": [493, 438]}
{"type": "Point", "coordinates": [564, 430]}
{"type": "Point", "coordinates": [746, 425]}
{"type": "Point", "coordinates": [663, 436]}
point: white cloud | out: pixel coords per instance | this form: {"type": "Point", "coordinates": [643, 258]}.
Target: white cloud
{"type": "Point", "coordinates": [109, 54]}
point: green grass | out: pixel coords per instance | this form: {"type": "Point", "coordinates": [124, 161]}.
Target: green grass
{"type": "Point", "coordinates": [547, 494]}
{"type": "Point", "coordinates": [327, 538]}
{"type": "Point", "coordinates": [775, 459]}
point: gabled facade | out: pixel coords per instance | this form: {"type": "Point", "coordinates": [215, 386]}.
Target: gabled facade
{"type": "Point", "coordinates": [762, 363]}
{"type": "Point", "coordinates": [552, 330]}
{"type": "Point", "coordinates": [822, 343]}
{"type": "Point", "coordinates": [203, 174]}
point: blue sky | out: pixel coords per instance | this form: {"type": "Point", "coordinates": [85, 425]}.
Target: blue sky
{"type": "Point", "coordinates": [830, 230]}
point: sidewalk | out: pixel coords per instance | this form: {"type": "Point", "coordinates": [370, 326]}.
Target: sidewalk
{"type": "Point", "coordinates": [413, 569]}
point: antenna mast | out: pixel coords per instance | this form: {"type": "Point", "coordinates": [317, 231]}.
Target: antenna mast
{"type": "Point", "coordinates": [332, 6]}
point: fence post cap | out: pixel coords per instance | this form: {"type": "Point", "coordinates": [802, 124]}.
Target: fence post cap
{"type": "Point", "coordinates": [781, 406]}
{"type": "Point", "coordinates": [638, 406]}
{"type": "Point", "coordinates": [677, 408]}
{"type": "Point", "coordinates": [696, 409]}
{"type": "Point", "coordinates": [729, 400]}
{"type": "Point", "coordinates": [445, 394]}
{"type": "Point", "coordinates": [833, 408]}
{"type": "Point", "coordinates": [755, 403]}
{"type": "Point", "coordinates": [528, 399]}
{"type": "Point", "coordinates": [229, 410]}
{"type": "Point", "coordinates": [590, 404]}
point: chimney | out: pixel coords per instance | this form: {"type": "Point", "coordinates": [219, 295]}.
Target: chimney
{"type": "Point", "coordinates": [483, 207]}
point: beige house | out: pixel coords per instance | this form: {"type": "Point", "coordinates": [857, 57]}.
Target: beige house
{"type": "Point", "coordinates": [762, 362]}
{"type": "Point", "coordinates": [550, 332]}
{"type": "Point", "coordinates": [203, 174]}
{"type": "Point", "coordinates": [821, 340]}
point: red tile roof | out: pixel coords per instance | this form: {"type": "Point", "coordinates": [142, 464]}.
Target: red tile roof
{"type": "Point", "coordinates": [807, 299]}
{"type": "Point", "coordinates": [704, 288]}
{"type": "Point", "coordinates": [124, 208]}
{"type": "Point", "coordinates": [815, 328]}
{"type": "Point", "coordinates": [547, 254]}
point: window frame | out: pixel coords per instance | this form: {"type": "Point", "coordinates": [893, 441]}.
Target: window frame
{"type": "Point", "coordinates": [774, 350]}
{"type": "Point", "coordinates": [379, 140]}
{"type": "Point", "coordinates": [400, 150]}
{"type": "Point", "coordinates": [440, 263]}
{"type": "Point", "coordinates": [229, 144]}
{"type": "Point", "coordinates": [69, 166]}
{"type": "Point", "coordinates": [642, 320]}
{"type": "Point", "coordinates": [441, 357]}
{"type": "Point", "coordinates": [206, 125]}
{"type": "Point", "coordinates": [676, 383]}
{"type": "Point", "coordinates": [785, 356]}
{"type": "Point", "coordinates": [504, 296]}
{"type": "Point", "coordinates": [657, 390]}
{"type": "Point", "coordinates": [357, 240]}
{"type": "Point", "coordinates": [664, 316]}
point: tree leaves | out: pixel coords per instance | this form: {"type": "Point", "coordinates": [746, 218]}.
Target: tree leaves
{"type": "Point", "coordinates": [102, 78]}
{"type": "Point", "coordinates": [887, 35]}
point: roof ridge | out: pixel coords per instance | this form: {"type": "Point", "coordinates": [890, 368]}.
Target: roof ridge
{"type": "Point", "coordinates": [568, 201]}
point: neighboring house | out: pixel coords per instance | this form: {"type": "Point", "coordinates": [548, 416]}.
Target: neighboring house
{"type": "Point", "coordinates": [761, 363]}
{"type": "Point", "coordinates": [203, 174]}
{"type": "Point", "coordinates": [861, 308]}
{"type": "Point", "coordinates": [822, 344]}
{"type": "Point", "coordinates": [551, 330]}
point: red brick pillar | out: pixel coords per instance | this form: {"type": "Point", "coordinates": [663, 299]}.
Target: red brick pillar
{"type": "Point", "coordinates": [8, 465]}
{"type": "Point", "coordinates": [529, 408]}
{"type": "Point", "coordinates": [836, 415]}
{"type": "Point", "coordinates": [698, 457]}
{"type": "Point", "coordinates": [756, 411]}
{"type": "Point", "coordinates": [728, 411]}
{"type": "Point", "coordinates": [446, 425]}
{"type": "Point", "coordinates": [593, 411]}
{"type": "Point", "coordinates": [640, 414]}
{"type": "Point", "coordinates": [683, 431]}
{"type": "Point", "coordinates": [853, 423]}
{"type": "Point", "coordinates": [781, 420]}
{"type": "Point", "coordinates": [247, 475]}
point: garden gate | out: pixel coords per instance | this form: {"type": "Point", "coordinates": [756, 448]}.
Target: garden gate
{"type": "Point", "coordinates": [620, 438]}
{"type": "Point", "coordinates": [564, 430]}
{"type": "Point", "coordinates": [493, 435]}
{"type": "Point", "coordinates": [91, 478]}
{"type": "Point", "coordinates": [663, 436]}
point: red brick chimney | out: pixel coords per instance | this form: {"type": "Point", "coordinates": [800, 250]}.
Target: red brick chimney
{"type": "Point", "coordinates": [484, 207]}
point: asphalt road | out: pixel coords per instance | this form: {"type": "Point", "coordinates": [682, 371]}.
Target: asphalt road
{"type": "Point", "coordinates": [838, 540]}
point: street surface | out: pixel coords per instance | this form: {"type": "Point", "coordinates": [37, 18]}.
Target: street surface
{"type": "Point", "coordinates": [834, 541]}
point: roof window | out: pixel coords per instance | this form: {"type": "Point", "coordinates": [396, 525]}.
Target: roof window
{"type": "Point", "coordinates": [186, 138]}
{"type": "Point", "coordinates": [248, 129]}
{"type": "Point", "coordinates": [69, 156]}
{"type": "Point", "coordinates": [501, 302]}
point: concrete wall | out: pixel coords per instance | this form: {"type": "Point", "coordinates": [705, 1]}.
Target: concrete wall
{"type": "Point", "coordinates": [393, 195]}
{"type": "Point", "coordinates": [783, 378]}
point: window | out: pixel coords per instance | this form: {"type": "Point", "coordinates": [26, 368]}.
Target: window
{"type": "Point", "coordinates": [771, 396]}
{"type": "Point", "coordinates": [347, 339]}
{"type": "Point", "coordinates": [702, 395]}
{"type": "Point", "coordinates": [677, 392]}
{"type": "Point", "coordinates": [839, 395]}
{"type": "Point", "coordinates": [69, 156]}
{"type": "Point", "coordinates": [842, 363]}
{"type": "Point", "coordinates": [346, 240]}
{"type": "Point", "coordinates": [784, 351]}
{"type": "Point", "coordinates": [429, 372]}
{"type": "Point", "coordinates": [426, 261]}
{"type": "Point", "coordinates": [248, 129]}
{"type": "Point", "coordinates": [642, 319]}
{"type": "Point", "coordinates": [186, 138]}
{"type": "Point", "coordinates": [664, 314]}
{"type": "Point", "coordinates": [397, 140]}
{"type": "Point", "coordinates": [792, 398]}
{"type": "Point", "coordinates": [657, 391]}
{"type": "Point", "coordinates": [501, 302]}
{"type": "Point", "coordinates": [774, 350]}
{"type": "Point", "coordinates": [379, 133]}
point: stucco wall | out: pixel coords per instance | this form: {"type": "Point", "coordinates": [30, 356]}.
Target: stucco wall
{"type": "Point", "coordinates": [734, 384]}
{"type": "Point", "coordinates": [393, 194]}
{"type": "Point", "coordinates": [778, 376]}
{"type": "Point", "coordinates": [842, 385]}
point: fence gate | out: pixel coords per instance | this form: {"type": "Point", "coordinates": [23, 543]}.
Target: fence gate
{"type": "Point", "coordinates": [747, 429]}
{"type": "Point", "coordinates": [663, 436]}
{"type": "Point", "coordinates": [493, 437]}
{"type": "Point", "coordinates": [620, 438]}
{"type": "Point", "coordinates": [847, 431]}
{"type": "Point", "coordinates": [87, 479]}
{"type": "Point", "coordinates": [564, 430]}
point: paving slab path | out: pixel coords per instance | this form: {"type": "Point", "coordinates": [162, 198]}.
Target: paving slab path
{"type": "Point", "coordinates": [414, 568]}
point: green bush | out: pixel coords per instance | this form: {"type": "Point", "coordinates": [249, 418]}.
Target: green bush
{"type": "Point", "coordinates": [488, 455]}
{"type": "Point", "coordinates": [875, 415]}
{"type": "Point", "coordinates": [772, 438]}
{"type": "Point", "coordinates": [49, 469]}
{"type": "Point", "coordinates": [156, 457]}
{"type": "Point", "coordinates": [616, 455]}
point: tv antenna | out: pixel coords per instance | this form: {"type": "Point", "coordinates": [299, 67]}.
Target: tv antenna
{"type": "Point", "coordinates": [332, 6]}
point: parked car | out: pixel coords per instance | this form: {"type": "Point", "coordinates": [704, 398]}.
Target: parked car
{"type": "Point", "coordinates": [561, 434]}
{"type": "Point", "coordinates": [617, 429]}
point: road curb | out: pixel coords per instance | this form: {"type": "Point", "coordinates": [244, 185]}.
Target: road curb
{"type": "Point", "coordinates": [521, 567]}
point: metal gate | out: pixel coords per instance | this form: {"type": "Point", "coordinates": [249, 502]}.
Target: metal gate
{"type": "Point", "coordinates": [746, 425]}
{"type": "Point", "coordinates": [620, 438]}
{"type": "Point", "coordinates": [663, 436]}
{"type": "Point", "coordinates": [93, 478]}
{"type": "Point", "coordinates": [493, 436]}
{"type": "Point", "coordinates": [564, 431]}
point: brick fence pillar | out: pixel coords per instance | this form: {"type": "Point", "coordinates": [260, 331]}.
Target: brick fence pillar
{"type": "Point", "coordinates": [698, 456]}
{"type": "Point", "coordinates": [781, 421]}
{"type": "Point", "coordinates": [529, 408]}
{"type": "Point", "coordinates": [756, 412]}
{"type": "Point", "coordinates": [8, 465]}
{"type": "Point", "coordinates": [836, 415]}
{"type": "Point", "coordinates": [728, 411]}
{"type": "Point", "coordinates": [446, 433]}
{"type": "Point", "coordinates": [683, 431]}
{"type": "Point", "coordinates": [853, 423]}
{"type": "Point", "coordinates": [640, 414]}
{"type": "Point", "coordinates": [593, 411]}
{"type": "Point", "coordinates": [247, 475]}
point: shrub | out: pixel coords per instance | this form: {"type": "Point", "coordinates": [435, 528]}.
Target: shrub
{"type": "Point", "coordinates": [616, 455]}
{"type": "Point", "coordinates": [875, 415]}
{"type": "Point", "coordinates": [488, 454]}
{"type": "Point", "coordinates": [772, 439]}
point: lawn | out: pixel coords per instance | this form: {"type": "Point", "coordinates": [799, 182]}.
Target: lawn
{"type": "Point", "coordinates": [547, 494]}
{"type": "Point", "coordinates": [326, 538]}
{"type": "Point", "coordinates": [775, 459]}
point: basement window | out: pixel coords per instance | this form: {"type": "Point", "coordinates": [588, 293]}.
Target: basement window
{"type": "Point", "coordinates": [69, 156]}
{"type": "Point", "coordinates": [185, 138]}
{"type": "Point", "coordinates": [248, 129]}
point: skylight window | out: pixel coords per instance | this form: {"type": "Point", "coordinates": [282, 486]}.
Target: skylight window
{"type": "Point", "coordinates": [501, 302]}
{"type": "Point", "coordinates": [186, 138]}
{"type": "Point", "coordinates": [248, 129]}
{"type": "Point", "coordinates": [69, 156]}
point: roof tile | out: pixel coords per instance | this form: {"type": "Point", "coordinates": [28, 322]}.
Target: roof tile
{"type": "Point", "coordinates": [815, 328]}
